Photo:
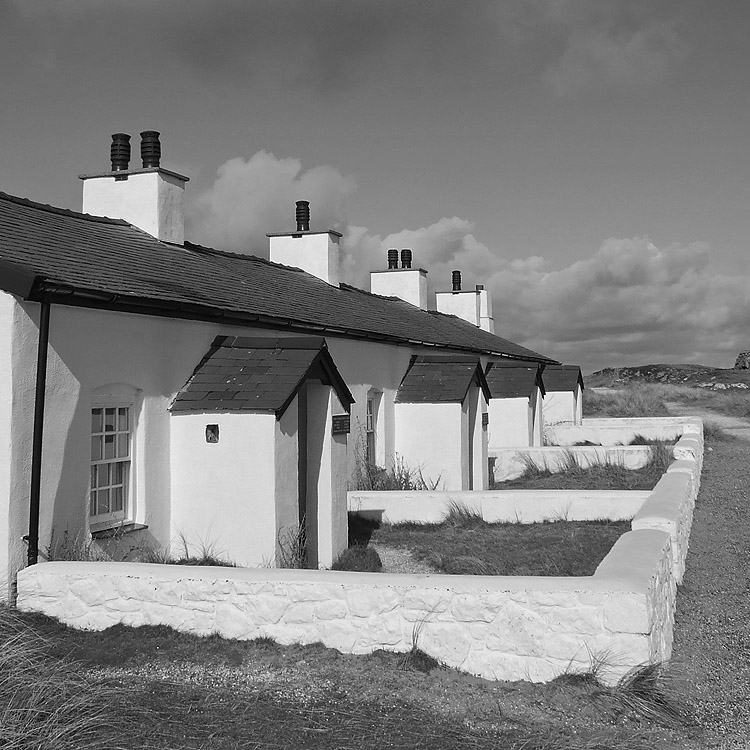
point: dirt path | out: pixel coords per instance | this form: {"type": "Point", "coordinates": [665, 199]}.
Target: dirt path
{"type": "Point", "coordinates": [735, 426]}
{"type": "Point", "coordinates": [712, 626]}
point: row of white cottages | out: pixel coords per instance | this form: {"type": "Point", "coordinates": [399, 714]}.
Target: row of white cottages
{"type": "Point", "coordinates": [175, 391]}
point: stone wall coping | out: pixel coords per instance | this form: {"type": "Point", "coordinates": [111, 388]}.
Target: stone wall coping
{"type": "Point", "coordinates": [597, 583]}
{"type": "Point", "coordinates": [458, 495]}
{"type": "Point", "coordinates": [625, 421]}
{"type": "Point", "coordinates": [635, 557]}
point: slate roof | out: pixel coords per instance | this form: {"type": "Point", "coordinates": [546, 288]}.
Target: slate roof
{"type": "Point", "coordinates": [514, 378]}
{"type": "Point", "coordinates": [435, 379]}
{"type": "Point", "coordinates": [562, 377]}
{"type": "Point", "coordinates": [245, 373]}
{"type": "Point", "coordinates": [73, 258]}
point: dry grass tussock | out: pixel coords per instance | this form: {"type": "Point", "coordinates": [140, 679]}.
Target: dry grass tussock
{"type": "Point", "coordinates": [48, 704]}
{"type": "Point", "coordinates": [651, 399]}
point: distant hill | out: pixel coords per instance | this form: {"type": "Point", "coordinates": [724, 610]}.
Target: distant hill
{"type": "Point", "coordinates": [716, 378]}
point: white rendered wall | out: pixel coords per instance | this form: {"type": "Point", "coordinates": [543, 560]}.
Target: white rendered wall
{"type": "Point", "coordinates": [366, 366]}
{"type": "Point", "coordinates": [314, 252]}
{"type": "Point", "coordinates": [559, 406]}
{"type": "Point", "coordinates": [408, 284]}
{"type": "Point", "coordinates": [153, 201]}
{"type": "Point", "coordinates": [224, 493]}
{"type": "Point", "coordinates": [509, 423]}
{"type": "Point", "coordinates": [486, 321]}
{"type": "Point", "coordinates": [464, 305]}
{"type": "Point", "coordinates": [500, 506]}
{"type": "Point", "coordinates": [474, 434]}
{"type": "Point", "coordinates": [89, 350]}
{"type": "Point", "coordinates": [537, 406]}
{"type": "Point", "coordinates": [510, 463]}
{"type": "Point", "coordinates": [18, 342]}
{"type": "Point", "coordinates": [7, 314]}
{"type": "Point", "coordinates": [429, 437]}
{"type": "Point", "coordinates": [617, 431]}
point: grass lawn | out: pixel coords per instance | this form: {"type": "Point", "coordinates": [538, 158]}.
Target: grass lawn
{"type": "Point", "coordinates": [603, 476]}
{"type": "Point", "coordinates": [156, 688]}
{"type": "Point", "coordinates": [611, 477]}
{"type": "Point", "coordinates": [557, 548]}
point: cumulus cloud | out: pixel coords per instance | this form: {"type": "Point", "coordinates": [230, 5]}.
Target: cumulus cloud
{"type": "Point", "coordinates": [629, 302]}
{"type": "Point", "coordinates": [252, 197]}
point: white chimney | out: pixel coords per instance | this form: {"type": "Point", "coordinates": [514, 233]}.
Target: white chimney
{"type": "Point", "coordinates": [314, 252]}
{"type": "Point", "coordinates": [475, 306]}
{"type": "Point", "coordinates": [406, 283]}
{"type": "Point", "coordinates": [151, 198]}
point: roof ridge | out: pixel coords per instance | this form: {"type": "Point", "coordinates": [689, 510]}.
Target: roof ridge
{"type": "Point", "coordinates": [61, 211]}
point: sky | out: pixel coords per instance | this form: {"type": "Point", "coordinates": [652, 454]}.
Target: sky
{"type": "Point", "coordinates": [588, 161]}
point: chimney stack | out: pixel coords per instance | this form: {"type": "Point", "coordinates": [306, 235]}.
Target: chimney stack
{"type": "Point", "coordinates": [474, 306]}
{"type": "Point", "coordinates": [406, 283]}
{"type": "Point", "coordinates": [150, 149]}
{"type": "Point", "coordinates": [317, 253]}
{"type": "Point", "coordinates": [151, 198]}
{"type": "Point", "coordinates": [303, 216]}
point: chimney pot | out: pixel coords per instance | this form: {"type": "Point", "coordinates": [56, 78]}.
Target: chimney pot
{"type": "Point", "coordinates": [150, 148]}
{"type": "Point", "coordinates": [406, 258]}
{"type": "Point", "coordinates": [456, 279]}
{"type": "Point", "coordinates": [303, 216]}
{"type": "Point", "coordinates": [119, 151]}
{"type": "Point", "coordinates": [392, 258]}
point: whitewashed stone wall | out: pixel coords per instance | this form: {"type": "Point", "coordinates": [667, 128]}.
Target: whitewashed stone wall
{"type": "Point", "coordinates": [510, 463]}
{"type": "Point", "coordinates": [511, 628]}
{"type": "Point", "coordinates": [500, 506]}
{"type": "Point", "coordinates": [617, 431]}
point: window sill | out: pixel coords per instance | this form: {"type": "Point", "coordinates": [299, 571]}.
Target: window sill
{"type": "Point", "coordinates": [108, 532]}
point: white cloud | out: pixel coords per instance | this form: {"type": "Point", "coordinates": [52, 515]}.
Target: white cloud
{"type": "Point", "coordinates": [630, 302]}
{"type": "Point", "coordinates": [252, 197]}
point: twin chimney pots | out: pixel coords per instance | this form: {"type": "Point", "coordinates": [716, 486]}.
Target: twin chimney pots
{"type": "Point", "coordinates": [120, 150]}
{"type": "Point", "coordinates": [408, 284]}
{"type": "Point", "coordinates": [406, 258]}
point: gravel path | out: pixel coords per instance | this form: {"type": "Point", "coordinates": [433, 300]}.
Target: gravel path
{"type": "Point", "coordinates": [712, 628]}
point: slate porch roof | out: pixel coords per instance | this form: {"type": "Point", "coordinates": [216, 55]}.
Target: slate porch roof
{"type": "Point", "coordinates": [436, 379]}
{"type": "Point", "coordinates": [72, 258]}
{"type": "Point", "coordinates": [562, 377]}
{"type": "Point", "coordinates": [514, 378]}
{"type": "Point", "coordinates": [249, 373]}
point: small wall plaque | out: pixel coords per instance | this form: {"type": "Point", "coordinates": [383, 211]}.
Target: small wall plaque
{"type": "Point", "coordinates": [212, 433]}
{"type": "Point", "coordinates": [340, 424]}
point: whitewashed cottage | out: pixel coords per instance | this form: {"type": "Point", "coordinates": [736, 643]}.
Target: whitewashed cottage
{"type": "Point", "coordinates": [166, 390]}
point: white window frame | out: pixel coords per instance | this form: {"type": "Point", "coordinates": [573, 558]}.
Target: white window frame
{"type": "Point", "coordinates": [123, 455]}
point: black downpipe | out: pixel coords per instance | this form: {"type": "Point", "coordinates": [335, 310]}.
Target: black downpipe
{"type": "Point", "coordinates": [36, 451]}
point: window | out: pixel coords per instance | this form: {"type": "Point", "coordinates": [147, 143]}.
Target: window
{"type": "Point", "coordinates": [111, 439]}
{"type": "Point", "coordinates": [370, 431]}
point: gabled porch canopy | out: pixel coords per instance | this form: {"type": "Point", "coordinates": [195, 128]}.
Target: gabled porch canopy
{"type": "Point", "coordinates": [435, 379]}
{"type": "Point", "coordinates": [562, 377]}
{"type": "Point", "coordinates": [258, 374]}
{"type": "Point", "coordinates": [514, 378]}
